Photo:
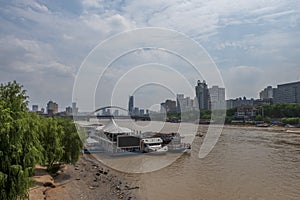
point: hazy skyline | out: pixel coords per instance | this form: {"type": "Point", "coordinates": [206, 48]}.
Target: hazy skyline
{"type": "Point", "coordinates": [43, 43]}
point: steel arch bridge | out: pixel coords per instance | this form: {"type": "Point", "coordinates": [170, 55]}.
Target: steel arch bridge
{"type": "Point", "coordinates": [106, 107]}
{"type": "Point", "coordinates": [92, 115]}
{"type": "Point", "coordinates": [128, 116]}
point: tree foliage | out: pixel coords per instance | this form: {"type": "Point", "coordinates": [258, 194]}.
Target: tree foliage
{"type": "Point", "coordinates": [282, 110]}
{"type": "Point", "coordinates": [19, 144]}
{"type": "Point", "coordinates": [293, 120]}
{"type": "Point", "coordinates": [27, 139]}
{"type": "Point", "coordinates": [70, 141]}
{"type": "Point", "coordinates": [50, 138]}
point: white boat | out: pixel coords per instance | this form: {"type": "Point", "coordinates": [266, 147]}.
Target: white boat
{"type": "Point", "coordinates": [116, 140]}
{"type": "Point", "coordinates": [153, 145]}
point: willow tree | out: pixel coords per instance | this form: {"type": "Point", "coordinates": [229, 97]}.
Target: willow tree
{"type": "Point", "coordinates": [70, 141]}
{"type": "Point", "coordinates": [50, 138]}
{"type": "Point", "coordinates": [20, 149]}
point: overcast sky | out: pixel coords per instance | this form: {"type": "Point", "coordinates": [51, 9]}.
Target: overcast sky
{"type": "Point", "coordinates": [43, 43]}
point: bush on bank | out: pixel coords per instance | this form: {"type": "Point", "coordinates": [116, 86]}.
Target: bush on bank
{"type": "Point", "coordinates": [294, 120]}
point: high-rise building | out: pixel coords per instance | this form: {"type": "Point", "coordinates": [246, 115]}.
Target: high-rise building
{"type": "Point", "coordinates": [238, 102]}
{"type": "Point", "coordinates": [188, 104]}
{"type": "Point", "coordinates": [180, 102]}
{"type": "Point", "coordinates": [136, 111]}
{"type": "Point", "coordinates": [142, 112]}
{"type": "Point", "coordinates": [35, 108]}
{"type": "Point", "coordinates": [217, 98]}
{"type": "Point", "coordinates": [69, 110]}
{"type": "Point", "coordinates": [52, 108]}
{"type": "Point", "coordinates": [184, 104]}
{"type": "Point", "coordinates": [74, 108]}
{"type": "Point", "coordinates": [195, 104]}
{"type": "Point", "coordinates": [202, 95]}
{"type": "Point", "coordinates": [163, 107]}
{"type": "Point", "coordinates": [266, 93]}
{"type": "Point", "coordinates": [169, 106]}
{"type": "Point", "coordinates": [130, 105]}
{"type": "Point", "coordinates": [287, 93]}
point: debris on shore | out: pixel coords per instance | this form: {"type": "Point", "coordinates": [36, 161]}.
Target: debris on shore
{"type": "Point", "coordinates": [88, 179]}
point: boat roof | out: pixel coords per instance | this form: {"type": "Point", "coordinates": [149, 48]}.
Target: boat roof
{"type": "Point", "coordinates": [98, 128]}
{"type": "Point", "coordinates": [112, 127]}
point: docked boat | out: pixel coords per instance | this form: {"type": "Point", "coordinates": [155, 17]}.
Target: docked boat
{"type": "Point", "coordinates": [116, 140]}
{"type": "Point", "coordinates": [153, 145]}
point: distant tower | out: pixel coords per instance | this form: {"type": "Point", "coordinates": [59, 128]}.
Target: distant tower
{"type": "Point", "coordinates": [52, 108]}
{"type": "Point", "coordinates": [202, 95]}
{"type": "Point", "coordinates": [74, 108]}
{"type": "Point", "coordinates": [130, 105]}
{"type": "Point", "coordinates": [35, 108]}
{"type": "Point", "coordinates": [217, 97]}
{"type": "Point", "coordinates": [180, 102]}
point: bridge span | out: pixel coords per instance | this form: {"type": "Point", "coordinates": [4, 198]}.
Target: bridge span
{"type": "Point", "coordinates": [108, 116]}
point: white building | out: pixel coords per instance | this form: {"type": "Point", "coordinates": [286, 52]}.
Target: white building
{"type": "Point", "coordinates": [217, 98]}
{"type": "Point", "coordinates": [287, 93]}
{"type": "Point", "coordinates": [266, 93]}
{"type": "Point", "coordinates": [184, 104]}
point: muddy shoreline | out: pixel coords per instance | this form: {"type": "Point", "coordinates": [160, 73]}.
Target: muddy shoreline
{"type": "Point", "coordinates": [88, 179]}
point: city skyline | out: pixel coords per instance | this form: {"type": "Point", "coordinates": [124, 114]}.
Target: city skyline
{"type": "Point", "coordinates": [215, 98]}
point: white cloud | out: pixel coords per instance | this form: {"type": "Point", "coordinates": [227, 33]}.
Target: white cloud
{"type": "Point", "coordinates": [243, 81]}
{"type": "Point", "coordinates": [31, 5]}
{"type": "Point", "coordinates": [39, 7]}
{"type": "Point", "coordinates": [92, 3]}
{"type": "Point", "coordinates": [107, 24]}
{"type": "Point", "coordinates": [43, 39]}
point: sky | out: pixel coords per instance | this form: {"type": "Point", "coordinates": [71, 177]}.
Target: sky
{"type": "Point", "coordinates": [45, 44]}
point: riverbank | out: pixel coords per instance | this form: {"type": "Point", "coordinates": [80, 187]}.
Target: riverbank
{"type": "Point", "coordinates": [88, 179]}
{"type": "Point", "coordinates": [269, 128]}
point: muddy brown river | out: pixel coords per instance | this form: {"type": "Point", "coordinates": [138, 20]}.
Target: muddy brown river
{"type": "Point", "coordinates": [245, 163]}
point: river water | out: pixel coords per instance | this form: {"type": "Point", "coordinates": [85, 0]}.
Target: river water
{"type": "Point", "coordinates": [244, 164]}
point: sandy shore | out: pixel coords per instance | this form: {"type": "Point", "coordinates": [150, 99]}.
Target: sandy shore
{"type": "Point", "coordinates": [88, 179]}
{"type": "Point", "coordinates": [270, 128]}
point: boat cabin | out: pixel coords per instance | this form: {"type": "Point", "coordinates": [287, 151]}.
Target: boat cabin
{"type": "Point", "coordinates": [151, 144]}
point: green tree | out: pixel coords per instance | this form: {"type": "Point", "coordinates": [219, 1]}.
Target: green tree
{"type": "Point", "coordinates": [70, 141]}
{"type": "Point", "coordinates": [267, 119]}
{"type": "Point", "coordinates": [228, 119]}
{"type": "Point", "coordinates": [294, 120]}
{"type": "Point", "coordinates": [50, 138]}
{"type": "Point", "coordinates": [19, 144]}
{"type": "Point", "coordinates": [231, 112]}
{"type": "Point", "coordinates": [205, 114]}
{"type": "Point", "coordinates": [27, 139]}
{"type": "Point", "coordinates": [258, 118]}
